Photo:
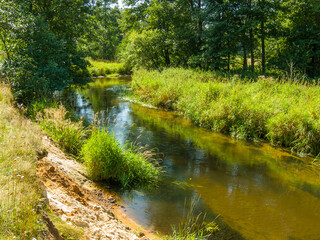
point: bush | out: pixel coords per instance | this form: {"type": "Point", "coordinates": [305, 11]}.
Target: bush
{"type": "Point", "coordinates": [107, 160]}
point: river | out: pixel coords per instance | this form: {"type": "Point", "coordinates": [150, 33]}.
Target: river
{"type": "Point", "coordinates": [252, 190]}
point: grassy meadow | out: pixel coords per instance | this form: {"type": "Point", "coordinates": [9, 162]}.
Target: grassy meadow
{"type": "Point", "coordinates": [103, 68]}
{"type": "Point", "coordinates": [286, 114]}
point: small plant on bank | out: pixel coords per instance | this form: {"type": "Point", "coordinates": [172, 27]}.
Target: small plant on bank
{"type": "Point", "coordinates": [192, 226]}
{"type": "Point", "coordinates": [107, 160]}
{"type": "Point", "coordinates": [69, 135]}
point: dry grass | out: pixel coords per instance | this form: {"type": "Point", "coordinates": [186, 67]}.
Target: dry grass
{"type": "Point", "coordinates": [68, 134]}
{"type": "Point", "coordinates": [21, 193]}
{"type": "Point", "coordinates": [20, 190]}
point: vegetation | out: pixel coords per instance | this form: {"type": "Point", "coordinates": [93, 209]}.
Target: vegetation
{"type": "Point", "coordinates": [98, 149]}
{"type": "Point", "coordinates": [41, 56]}
{"type": "Point", "coordinates": [102, 68]}
{"type": "Point", "coordinates": [20, 191]}
{"type": "Point", "coordinates": [107, 160]}
{"type": "Point", "coordinates": [285, 113]}
{"type": "Point", "coordinates": [193, 226]}
{"type": "Point", "coordinates": [246, 35]}
{"type": "Point", "coordinates": [68, 134]}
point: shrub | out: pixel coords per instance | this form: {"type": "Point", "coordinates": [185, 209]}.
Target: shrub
{"type": "Point", "coordinates": [107, 160]}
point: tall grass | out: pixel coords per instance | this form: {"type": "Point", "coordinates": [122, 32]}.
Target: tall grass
{"type": "Point", "coordinates": [193, 226]}
{"type": "Point", "coordinates": [284, 113]}
{"type": "Point", "coordinates": [107, 160]}
{"type": "Point", "coordinates": [102, 68]}
{"type": "Point", "coordinates": [20, 190]}
{"type": "Point", "coordinates": [69, 135]}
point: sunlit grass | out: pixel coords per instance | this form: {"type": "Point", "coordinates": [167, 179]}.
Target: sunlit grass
{"type": "Point", "coordinates": [107, 160]}
{"type": "Point", "coordinates": [69, 135]}
{"type": "Point", "coordinates": [102, 68]}
{"type": "Point", "coordinates": [20, 190]}
{"type": "Point", "coordinates": [284, 113]}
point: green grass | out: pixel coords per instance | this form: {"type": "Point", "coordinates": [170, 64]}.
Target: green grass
{"type": "Point", "coordinates": [101, 68]}
{"type": "Point", "coordinates": [193, 226]}
{"type": "Point", "coordinates": [69, 135]}
{"type": "Point", "coordinates": [20, 190]}
{"type": "Point", "coordinates": [284, 113]}
{"type": "Point", "coordinates": [107, 160]}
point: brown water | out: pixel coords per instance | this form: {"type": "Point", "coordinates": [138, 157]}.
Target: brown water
{"type": "Point", "coordinates": [257, 191]}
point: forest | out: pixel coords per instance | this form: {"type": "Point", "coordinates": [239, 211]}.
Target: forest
{"type": "Point", "coordinates": [45, 45]}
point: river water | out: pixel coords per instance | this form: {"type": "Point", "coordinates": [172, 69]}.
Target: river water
{"type": "Point", "coordinates": [253, 191]}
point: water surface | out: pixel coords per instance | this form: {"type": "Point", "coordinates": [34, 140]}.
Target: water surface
{"type": "Point", "coordinates": [254, 191]}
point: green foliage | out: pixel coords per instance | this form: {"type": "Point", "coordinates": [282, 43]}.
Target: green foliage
{"type": "Point", "coordinates": [68, 134]}
{"type": "Point", "coordinates": [102, 68]}
{"type": "Point", "coordinates": [37, 108]}
{"type": "Point", "coordinates": [45, 57]}
{"type": "Point", "coordinates": [286, 114]}
{"type": "Point", "coordinates": [107, 160]}
{"type": "Point", "coordinates": [104, 35]}
{"type": "Point", "coordinates": [144, 50]}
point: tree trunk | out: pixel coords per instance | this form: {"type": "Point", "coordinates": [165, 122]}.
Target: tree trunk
{"type": "Point", "coordinates": [166, 56]}
{"type": "Point", "coordinates": [245, 61]}
{"type": "Point", "coordinates": [199, 24]}
{"type": "Point", "coordinates": [251, 49]}
{"type": "Point", "coordinates": [251, 43]}
{"type": "Point", "coordinates": [228, 61]}
{"type": "Point", "coordinates": [263, 49]}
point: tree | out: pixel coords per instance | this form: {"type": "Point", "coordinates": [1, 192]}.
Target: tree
{"type": "Point", "coordinates": [45, 57]}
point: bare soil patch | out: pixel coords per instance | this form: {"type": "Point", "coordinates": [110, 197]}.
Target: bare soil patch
{"type": "Point", "coordinates": [78, 200]}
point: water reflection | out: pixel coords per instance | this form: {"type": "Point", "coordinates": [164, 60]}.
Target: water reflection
{"type": "Point", "coordinates": [258, 191]}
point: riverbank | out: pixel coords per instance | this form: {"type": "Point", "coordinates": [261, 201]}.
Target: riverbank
{"type": "Point", "coordinates": [104, 68]}
{"type": "Point", "coordinates": [45, 193]}
{"type": "Point", "coordinates": [285, 114]}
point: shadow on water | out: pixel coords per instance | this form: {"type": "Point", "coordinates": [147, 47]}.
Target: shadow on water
{"type": "Point", "coordinates": [259, 192]}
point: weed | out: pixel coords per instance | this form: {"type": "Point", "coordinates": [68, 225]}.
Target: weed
{"type": "Point", "coordinates": [192, 226]}
{"type": "Point", "coordinates": [68, 134]}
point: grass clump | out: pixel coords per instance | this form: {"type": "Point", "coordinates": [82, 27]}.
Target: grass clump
{"type": "Point", "coordinates": [20, 190]}
{"type": "Point", "coordinates": [69, 135]}
{"type": "Point", "coordinates": [193, 226]}
{"type": "Point", "coordinates": [107, 160]}
{"type": "Point", "coordinates": [102, 68]}
{"type": "Point", "coordinates": [284, 113]}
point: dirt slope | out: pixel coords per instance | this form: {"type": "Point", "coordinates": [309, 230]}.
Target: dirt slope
{"type": "Point", "coordinates": [78, 200]}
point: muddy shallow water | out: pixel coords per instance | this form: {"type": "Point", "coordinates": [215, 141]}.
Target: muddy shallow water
{"type": "Point", "coordinates": [254, 191]}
